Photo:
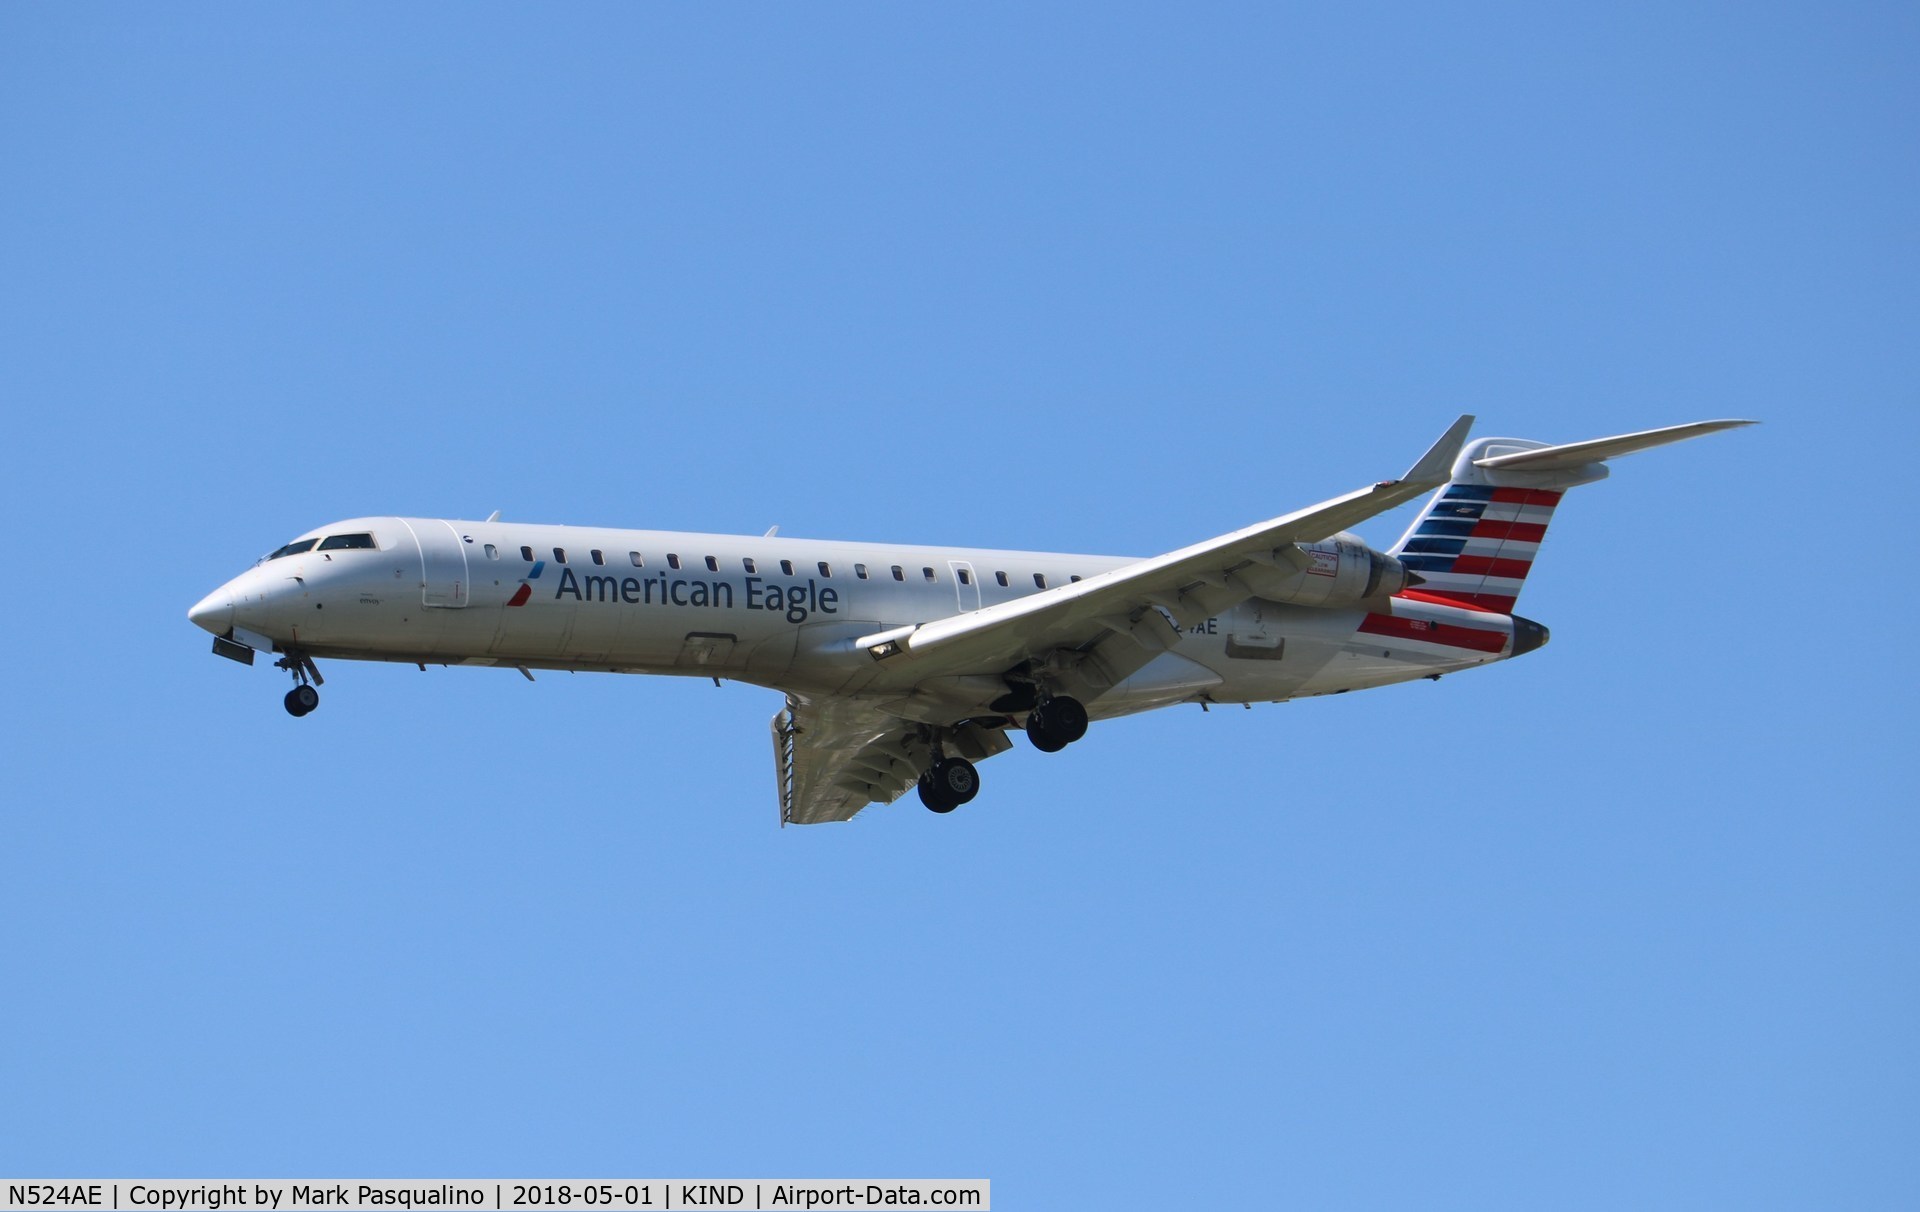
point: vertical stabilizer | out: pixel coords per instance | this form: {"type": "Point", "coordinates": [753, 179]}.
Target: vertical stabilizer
{"type": "Point", "coordinates": [1476, 539]}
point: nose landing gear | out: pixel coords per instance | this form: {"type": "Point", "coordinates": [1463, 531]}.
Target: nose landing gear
{"type": "Point", "coordinates": [303, 697]}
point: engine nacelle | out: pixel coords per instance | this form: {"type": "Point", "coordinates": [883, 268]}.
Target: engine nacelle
{"type": "Point", "coordinates": [1342, 571]}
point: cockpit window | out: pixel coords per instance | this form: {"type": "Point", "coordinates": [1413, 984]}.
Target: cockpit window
{"type": "Point", "coordinates": [294, 548]}
{"type": "Point", "coordinates": [347, 542]}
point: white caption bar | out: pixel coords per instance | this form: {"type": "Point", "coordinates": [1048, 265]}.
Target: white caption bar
{"type": "Point", "coordinates": [494, 1194]}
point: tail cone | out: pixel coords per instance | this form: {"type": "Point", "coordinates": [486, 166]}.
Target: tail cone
{"type": "Point", "coordinates": [1528, 635]}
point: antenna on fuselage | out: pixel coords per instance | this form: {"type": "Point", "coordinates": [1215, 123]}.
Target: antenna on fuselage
{"type": "Point", "coordinates": [771, 531]}
{"type": "Point", "coordinates": [494, 516]}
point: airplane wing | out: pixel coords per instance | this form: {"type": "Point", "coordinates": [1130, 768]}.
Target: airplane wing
{"type": "Point", "coordinates": [1190, 584]}
{"type": "Point", "coordinates": [834, 756]}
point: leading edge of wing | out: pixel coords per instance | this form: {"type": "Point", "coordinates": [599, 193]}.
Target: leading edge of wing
{"type": "Point", "coordinates": [1118, 592]}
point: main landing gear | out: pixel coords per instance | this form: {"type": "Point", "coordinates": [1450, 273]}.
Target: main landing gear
{"type": "Point", "coordinates": [1056, 723]}
{"type": "Point", "coordinates": [1053, 723]}
{"type": "Point", "coordinates": [303, 697]}
{"type": "Point", "coordinates": [949, 783]}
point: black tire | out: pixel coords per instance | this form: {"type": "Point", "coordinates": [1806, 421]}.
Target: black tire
{"type": "Point", "coordinates": [1066, 717]}
{"type": "Point", "coordinates": [931, 797]}
{"type": "Point", "coordinates": [958, 779]}
{"type": "Point", "coordinates": [1040, 732]}
{"type": "Point", "coordinates": [302, 699]}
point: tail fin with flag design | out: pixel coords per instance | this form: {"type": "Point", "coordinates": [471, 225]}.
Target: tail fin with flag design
{"type": "Point", "coordinates": [1475, 541]}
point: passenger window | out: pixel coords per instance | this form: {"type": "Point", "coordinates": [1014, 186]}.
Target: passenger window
{"type": "Point", "coordinates": [966, 578]}
{"type": "Point", "coordinates": [786, 567]}
{"type": "Point", "coordinates": [1001, 577]}
{"type": "Point", "coordinates": [598, 556]}
{"type": "Point", "coordinates": [294, 548]}
{"type": "Point", "coordinates": [927, 572]}
{"type": "Point", "coordinates": [746, 562]}
{"type": "Point", "coordinates": [560, 555]}
{"type": "Point", "coordinates": [1074, 579]}
{"type": "Point", "coordinates": [899, 574]}
{"type": "Point", "coordinates": [347, 542]}
{"type": "Point", "coordinates": [493, 553]}
{"type": "Point", "coordinates": [824, 570]}
{"type": "Point", "coordinates": [713, 565]}
{"type": "Point", "coordinates": [526, 553]}
{"type": "Point", "coordinates": [673, 560]}
{"type": "Point", "coordinates": [1039, 580]}
{"type": "Point", "coordinates": [860, 570]}
{"type": "Point", "coordinates": [635, 557]}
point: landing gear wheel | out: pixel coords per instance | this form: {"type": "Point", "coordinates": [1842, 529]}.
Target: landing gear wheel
{"type": "Point", "coordinates": [931, 797]}
{"type": "Point", "coordinates": [950, 783]}
{"type": "Point", "coordinates": [302, 699]}
{"type": "Point", "coordinates": [1044, 738]}
{"type": "Point", "coordinates": [1056, 723]}
{"type": "Point", "coordinates": [1067, 717]}
{"type": "Point", "coordinates": [958, 778]}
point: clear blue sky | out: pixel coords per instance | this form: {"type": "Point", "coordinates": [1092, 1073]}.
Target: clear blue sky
{"type": "Point", "coordinates": [1628, 923]}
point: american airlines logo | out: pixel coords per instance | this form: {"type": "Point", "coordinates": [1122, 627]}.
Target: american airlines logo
{"type": "Point", "coordinates": [525, 591]}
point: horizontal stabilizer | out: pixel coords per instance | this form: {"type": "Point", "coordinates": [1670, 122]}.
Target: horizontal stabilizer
{"type": "Point", "coordinates": [1580, 454]}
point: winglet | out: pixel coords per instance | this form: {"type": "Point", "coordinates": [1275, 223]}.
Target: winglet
{"type": "Point", "coordinates": [1436, 466]}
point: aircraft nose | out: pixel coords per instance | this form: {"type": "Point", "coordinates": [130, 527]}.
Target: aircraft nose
{"type": "Point", "coordinates": [214, 612]}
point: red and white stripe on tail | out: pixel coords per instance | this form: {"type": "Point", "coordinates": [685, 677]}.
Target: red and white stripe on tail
{"type": "Point", "coordinates": [1475, 541]}
{"type": "Point", "coordinates": [1474, 544]}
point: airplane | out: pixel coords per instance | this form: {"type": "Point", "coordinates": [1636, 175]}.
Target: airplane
{"type": "Point", "coordinates": [904, 666]}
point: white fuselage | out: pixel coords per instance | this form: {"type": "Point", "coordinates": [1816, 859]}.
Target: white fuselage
{"type": "Point", "coordinates": [778, 612]}
{"type": "Point", "coordinates": [903, 666]}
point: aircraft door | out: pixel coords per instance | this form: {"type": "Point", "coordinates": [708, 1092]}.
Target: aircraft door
{"type": "Point", "coordinates": [443, 563]}
{"type": "Point", "coordinates": [965, 585]}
